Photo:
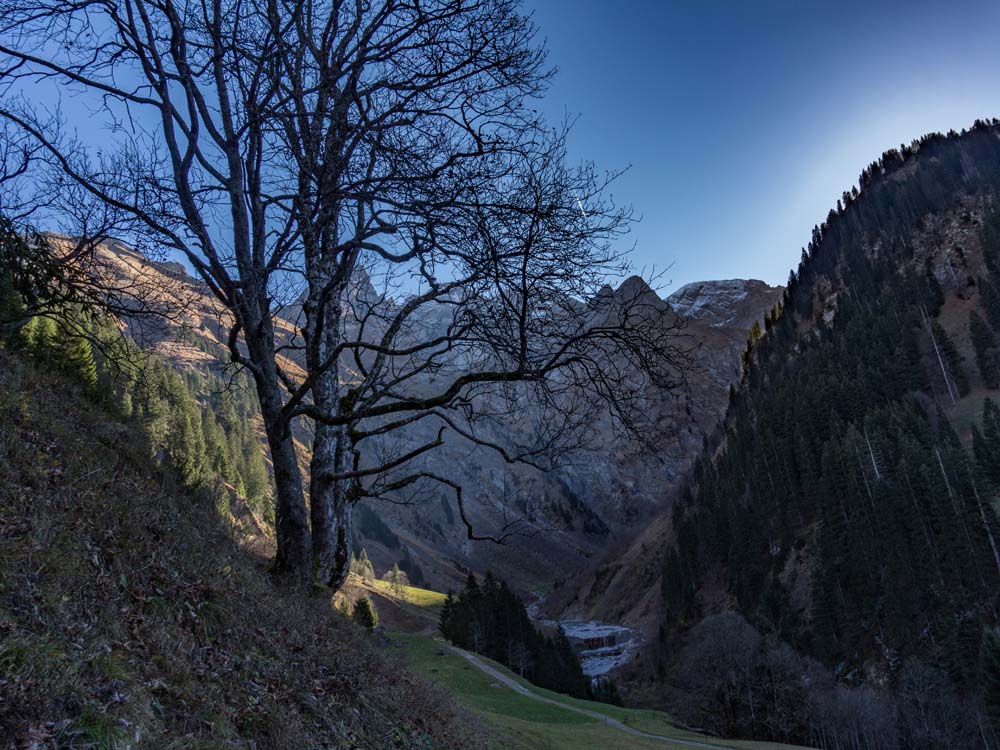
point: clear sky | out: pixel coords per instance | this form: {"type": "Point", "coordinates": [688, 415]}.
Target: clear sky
{"type": "Point", "coordinates": [743, 122]}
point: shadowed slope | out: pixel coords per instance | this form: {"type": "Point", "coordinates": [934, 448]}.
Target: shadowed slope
{"type": "Point", "coordinates": [130, 613]}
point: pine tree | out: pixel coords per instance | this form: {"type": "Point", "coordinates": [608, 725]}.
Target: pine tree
{"type": "Point", "coordinates": [75, 357]}
{"type": "Point", "coordinates": [446, 618]}
{"type": "Point", "coordinates": [151, 405]}
{"type": "Point", "coordinates": [185, 441]}
{"type": "Point", "coordinates": [215, 446]}
{"type": "Point", "coordinates": [365, 614]}
{"type": "Point", "coordinates": [989, 666]}
{"type": "Point", "coordinates": [987, 353]}
{"type": "Point", "coordinates": [256, 479]}
{"type": "Point", "coordinates": [125, 402]}
{"type": "Point", "coordinates": [367, 570]}
{"type": "Point", "coordinates": [40, 335]}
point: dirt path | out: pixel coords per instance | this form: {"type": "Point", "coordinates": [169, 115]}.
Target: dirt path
{"type": "Point", "coordinates": [517, 687]}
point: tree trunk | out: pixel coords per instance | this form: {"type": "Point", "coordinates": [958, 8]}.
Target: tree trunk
{"type": "Point", "coordinates": [294, 548]}
{"type": "Point", "coordinates": [330, 502]}
{"type": "Point", "coordinates": [294, 551]}
{"type": "Point", "coordinates": [331, 506]}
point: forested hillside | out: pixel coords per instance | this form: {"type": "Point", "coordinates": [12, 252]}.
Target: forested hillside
{"type": "Point", "coordinates": [849, 507]}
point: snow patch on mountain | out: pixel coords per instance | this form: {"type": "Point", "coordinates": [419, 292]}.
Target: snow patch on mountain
{"type": "Point", "coordinates": [725, 303]}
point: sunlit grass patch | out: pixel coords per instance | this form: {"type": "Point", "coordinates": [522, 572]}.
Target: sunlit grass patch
{"type": "Point", "coordinates": [409, 594]}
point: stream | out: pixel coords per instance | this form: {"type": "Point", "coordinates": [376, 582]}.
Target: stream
{"type": "Point", "coordinates": [602, 647]}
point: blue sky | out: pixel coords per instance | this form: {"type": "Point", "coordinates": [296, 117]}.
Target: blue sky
{"type": "Point", "coordinates": [742, 122]}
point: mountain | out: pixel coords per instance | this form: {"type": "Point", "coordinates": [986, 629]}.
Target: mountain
{"type": "Point", "coordinates": [568, 517]}
{"type": "Point", "coordinates": [848, 507]}
{"type": "Point", "coordinates": [597, 496]}
{"type": "Point", "coordinates": [730, 303]}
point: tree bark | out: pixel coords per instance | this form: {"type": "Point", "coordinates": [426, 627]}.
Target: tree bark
{"type": "Point", "coordinates": [294, 546]}
{"type": "Point", "coordinates": [292, 530]}
{"type": "Point", "coordinates": [330, 506]}
{"type": "Point", "coordinates": [329, 501]}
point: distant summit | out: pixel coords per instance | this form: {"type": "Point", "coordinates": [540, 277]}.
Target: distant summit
{"type": "Point", "coordinates": [635, 288]}
{"type": "Point", "coordinates": [634, 292]}
{"type": "Point", "coordinates": [727, 303]}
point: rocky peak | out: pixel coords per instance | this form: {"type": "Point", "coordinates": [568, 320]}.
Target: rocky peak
{"type": "Point", "coordinates": [636, 288]}
{"type": "Point", "coordinates": [633, 292]}
{"type": "Point", "coordinates": [728, 303]}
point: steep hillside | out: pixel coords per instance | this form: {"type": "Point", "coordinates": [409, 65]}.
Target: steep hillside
{"type": "Point", "coordinates": [850, 505]}
{"type": "Point", "coordinates": [567, 517]}
{"type": "Point", "coordinates": [136, 615]}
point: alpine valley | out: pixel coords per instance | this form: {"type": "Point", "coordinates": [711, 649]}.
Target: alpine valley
{"type": "Point", "coordinates": [335, 414]}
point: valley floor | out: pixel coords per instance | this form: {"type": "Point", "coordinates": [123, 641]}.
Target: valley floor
{"type": "Point", "coordinates": [535, 718]}
{"type": "Point", "coordinates": [523, 715]}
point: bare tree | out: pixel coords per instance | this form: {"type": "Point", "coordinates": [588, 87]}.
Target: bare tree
{"type": "Point", "coordinates": [376, 170]}
{"type": "Point", "coordinates": [60, 274]}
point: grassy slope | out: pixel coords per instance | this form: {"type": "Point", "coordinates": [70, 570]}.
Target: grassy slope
{"type": "Point", "coordinates": [541, 725]}
{"type": "Point", "coordinates": [418, 597]}
{"type": "Point", "coordinates": [135, 615]}
{"type": "Point", "coordinates": [416, 610]}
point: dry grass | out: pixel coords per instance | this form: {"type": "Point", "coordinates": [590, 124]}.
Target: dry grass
{"type": "Point", "coordinates": [132, 615]}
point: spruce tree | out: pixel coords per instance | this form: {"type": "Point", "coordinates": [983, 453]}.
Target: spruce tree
{"type": "Point", "coordinates": [367, 571]}
{"type": "Point", "coordinates": [446, 618]}
{"type": "Point", "coordinates": [185, 441]}
{"type": "Point", "coordinates": [75, 357]}
{"type": "Point", "coordinates": [215, 446]}
{"type": "Point", "coordinates": [365, 614]}
{"type": "Point", "coordinates": [40, 336]}
{"type": "Point", "coordinates": [987, 353]}
{"type": "Point", "coordinates": [256, 480]}
{"type": "Point", "coordinates": [989, 670]}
